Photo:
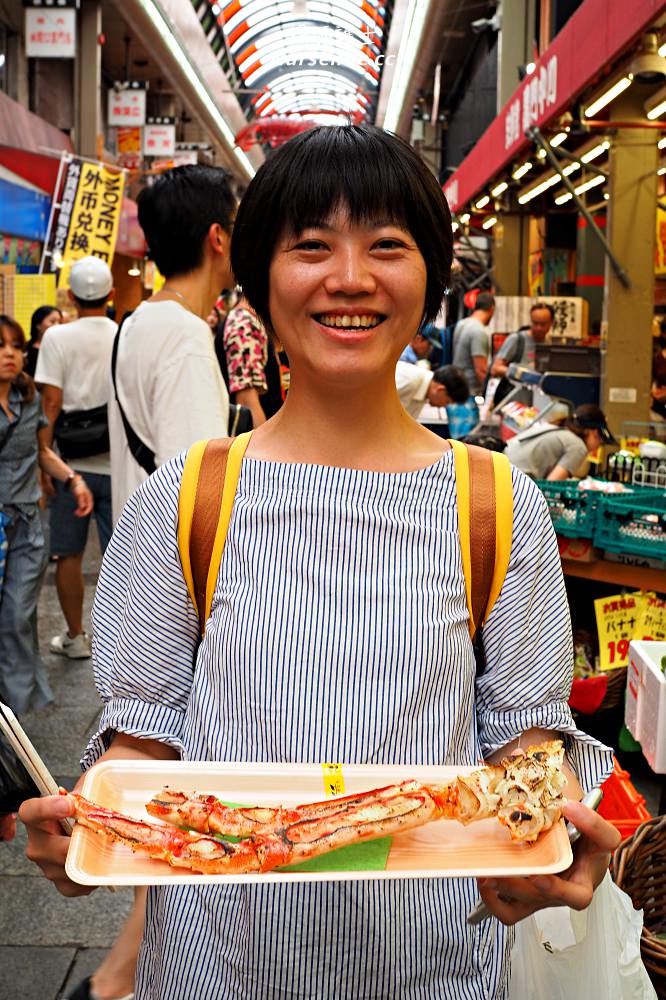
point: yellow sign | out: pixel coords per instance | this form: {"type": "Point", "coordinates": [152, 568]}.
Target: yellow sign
{"type": "Point", "coordinates": [93, 224]}
{"type": "Point", "coordinates": [334, 782]}
{"type": "Point", "coordinates": [618, 622]}
{"type": "Point", "coordinates": [660, 246]}
{"type": "Point", "coordinates": [653, 620]}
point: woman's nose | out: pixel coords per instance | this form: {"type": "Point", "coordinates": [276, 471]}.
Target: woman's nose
{"type": "Point", "coordinates": [350, 272]}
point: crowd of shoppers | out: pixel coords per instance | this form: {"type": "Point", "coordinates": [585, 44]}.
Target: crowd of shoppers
{"type": "Point", "coordinates": [342, 246]}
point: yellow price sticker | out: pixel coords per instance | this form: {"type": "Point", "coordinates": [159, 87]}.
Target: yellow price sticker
{"type": "Point", "coordinates": [334, 782]}
{"type": "Point", "coordinates": [652, 625]}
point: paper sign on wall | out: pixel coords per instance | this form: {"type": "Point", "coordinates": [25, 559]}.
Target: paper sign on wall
{"type": "Point", "coordinates": [619, 620]}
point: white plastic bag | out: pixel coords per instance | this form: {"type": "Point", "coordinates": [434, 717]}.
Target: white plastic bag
{"type": "Point", "coordinates": [563, 954]}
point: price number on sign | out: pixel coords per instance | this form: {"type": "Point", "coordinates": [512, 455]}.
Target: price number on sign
{"type": "Point", "coordinates": [618, 652]}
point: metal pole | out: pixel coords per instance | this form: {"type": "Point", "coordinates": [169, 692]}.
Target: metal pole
{"type": "Point", "coordinates": [463, 238]}
{"type": "Point", "coordinates": [536, 136]}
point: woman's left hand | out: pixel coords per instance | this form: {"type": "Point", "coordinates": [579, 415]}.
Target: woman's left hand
{"type": "Point", "coordinates": [83, 497]}
{"type": "Point", "coordinates": [513, 899]}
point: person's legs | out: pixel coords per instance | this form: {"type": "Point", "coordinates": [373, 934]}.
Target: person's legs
{"type": "Point", "coordinates": [23, 681]}
{"type": "Point", "coordinates": [101, 490]}
{"type": "Point", "coordinates": [68, 540]}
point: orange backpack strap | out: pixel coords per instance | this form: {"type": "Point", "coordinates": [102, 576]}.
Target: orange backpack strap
{"type": "Point", "coordinates": [207, 493]}
{"type": "Point", "coordinates": [485, 519]}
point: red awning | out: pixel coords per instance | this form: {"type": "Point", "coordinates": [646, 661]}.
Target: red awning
{"type": "Point", "coordinates": [24, 130]}
{"type": "Point", "coordinates": [589, 42]}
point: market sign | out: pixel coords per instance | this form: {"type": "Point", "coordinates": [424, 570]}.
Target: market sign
{"type": "Point", "coordinates": [50, 33]}
{"type": "Point", "coordinates": [641, 615]}
{"type": "Point", "coordinates": [590, 40]}
{"type": "Point", "coordinates": [128, 146]}
{"type": "Point", "coordinates": [127, 104]}
{"type": "Point", "coordinates": [159, 137]}
{"type": "Point", "coordinates": [88, 216]}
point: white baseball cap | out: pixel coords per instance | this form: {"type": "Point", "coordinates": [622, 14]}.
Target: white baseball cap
{"type": "Point", "coordinates": [90, 279]}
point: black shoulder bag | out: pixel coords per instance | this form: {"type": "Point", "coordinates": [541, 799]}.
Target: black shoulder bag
{"type": "Point", "coordinates": [140, 451]}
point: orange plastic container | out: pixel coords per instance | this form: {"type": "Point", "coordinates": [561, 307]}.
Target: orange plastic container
{"type": "Point", "coordinates": [622, 805]}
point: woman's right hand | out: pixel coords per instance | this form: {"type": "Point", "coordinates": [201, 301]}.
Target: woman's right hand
{"type": "Point", "coordinates": [48, 843]}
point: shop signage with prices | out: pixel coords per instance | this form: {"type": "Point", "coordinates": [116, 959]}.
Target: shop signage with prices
{"type": "Point", "coordinates": [127, 104]}
{"type": "Point", "coordinates": [622, 618]}
{"type": "Point", "coordinates": [159, 137]}
{"type": "Point", "coordinates": [50, 32]}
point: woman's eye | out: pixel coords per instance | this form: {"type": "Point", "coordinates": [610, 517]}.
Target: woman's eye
{"type": "Point", "coordinates": [389, 244]}
{"type": "Point", "coordinates": [310, 245]}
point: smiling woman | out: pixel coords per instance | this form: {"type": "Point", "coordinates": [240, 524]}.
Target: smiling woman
{"type": "Point", "coordinates": [339, 627]}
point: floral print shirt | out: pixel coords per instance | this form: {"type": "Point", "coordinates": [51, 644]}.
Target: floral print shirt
{"type": "Point", "coordinates": [246, 347]}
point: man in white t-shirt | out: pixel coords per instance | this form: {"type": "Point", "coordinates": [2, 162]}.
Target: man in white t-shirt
{"type": "Point", "coordinates": [418, 385]}
{"type": "Point", "coordinates": [73, 375]}
{"type": "Point", "coordinates": [167, 378]}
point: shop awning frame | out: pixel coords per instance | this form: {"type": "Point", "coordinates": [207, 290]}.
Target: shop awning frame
{"type": "Point", "coordinates": [589, 43]}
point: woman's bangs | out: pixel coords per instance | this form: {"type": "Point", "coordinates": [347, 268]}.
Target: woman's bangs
{"type": "Point", "coordinates": [350, 179]}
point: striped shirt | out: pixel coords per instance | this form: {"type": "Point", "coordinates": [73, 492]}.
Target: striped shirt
{"type": "Point", "coordinates": [338, 632]}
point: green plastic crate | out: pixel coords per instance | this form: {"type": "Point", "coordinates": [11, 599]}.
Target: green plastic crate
{"type": "Point", "coordinates": [573, 511]}
{"type": "Point", "coordinates": [634, 523]}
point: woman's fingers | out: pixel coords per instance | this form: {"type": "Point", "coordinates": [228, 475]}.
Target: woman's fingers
{"type": "Point", "coordinates": [46, 812]}
{"type": "Point", "coordinates": [598, 832]}
{"type": "Point", "coordinates": [47, 844]}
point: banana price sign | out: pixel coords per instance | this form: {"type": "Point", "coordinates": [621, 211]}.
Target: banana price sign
{"type": "Point", "coordinates": [618, 622]}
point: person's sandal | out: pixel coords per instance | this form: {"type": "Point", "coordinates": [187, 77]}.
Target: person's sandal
{"type": "Point", "coordinates": [83, 992]}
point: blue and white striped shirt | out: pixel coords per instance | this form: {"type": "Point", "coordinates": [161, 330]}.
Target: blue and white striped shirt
{"type": "Point", "coordinates": [338, 632]}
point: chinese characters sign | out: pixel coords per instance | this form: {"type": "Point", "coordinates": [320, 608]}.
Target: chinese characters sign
{"type": "Point", "coordinates": [50, 33]}
{"type": "Point", "coordinates": [159, 138]}
{"type": "Point", "coordinates": [127, 106]}
{"type": "Point", "coordinates": [539, 96]}
{"type": "Point", "coordinates": [89, 215]}
{"type": "Point", "coordinates": [619, 620]}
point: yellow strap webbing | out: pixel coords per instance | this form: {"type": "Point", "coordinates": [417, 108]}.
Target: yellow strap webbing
{"type": "Point", "coordinates": [234, 460]}
{"type": "Point", "coordinates": [186, 498]}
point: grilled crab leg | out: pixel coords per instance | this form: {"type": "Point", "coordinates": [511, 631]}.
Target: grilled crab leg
{"type": "Point", "coordinates": [524, 792]}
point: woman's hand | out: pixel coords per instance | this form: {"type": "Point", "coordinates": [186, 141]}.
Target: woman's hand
{"type": "Point", "coordinates": [83, 497]}
{"type": "Point", "coordinates": [47, 843]}
{"type": "Point", "coordinates": [513, 899]}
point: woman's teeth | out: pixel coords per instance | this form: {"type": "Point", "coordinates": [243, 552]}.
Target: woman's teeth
{"type": "Point", "coordinates": [359, 322]}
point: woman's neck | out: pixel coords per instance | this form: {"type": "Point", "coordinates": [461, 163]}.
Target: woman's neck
{"type": "Point", "coordinates": [5, 387]}
{"type": "Point", "coordinates": [365, 428]}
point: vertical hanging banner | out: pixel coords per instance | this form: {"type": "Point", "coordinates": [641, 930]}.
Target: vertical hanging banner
{"type": "Point", "coordinates": [88, 216]}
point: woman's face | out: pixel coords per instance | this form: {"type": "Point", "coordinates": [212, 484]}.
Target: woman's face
{"type": "Point", "coordinates": [52, 319]}
{"type": "Point", "coordinates": [345, 298]}
{"type": "Point", "coordinates": [11, 356]}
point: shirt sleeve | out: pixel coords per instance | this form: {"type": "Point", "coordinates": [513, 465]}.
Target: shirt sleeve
{"type": "Point", "coordinates": [574, 453]}
{"type": "Point", "coordinates": [50, 369]}
{"type": "Point", "coordinates": [42, 421]}
{"type": "Point", "coordinates": [246, 345]}
{"type": "Point", "coordinates": [144, 626]}
{"type": "Point", "coordinates": [478, 347]}
{"type": "Point", "coordinates": [528, 646]}
{"type": "Point", "coordinates": [509, 348]}
{"type": "Point", "coordinates": [190, 402]}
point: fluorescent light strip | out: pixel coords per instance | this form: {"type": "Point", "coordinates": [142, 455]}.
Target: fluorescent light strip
{"type": "Point", "coordinates": [465, 218]}
{"type": "Point", "coordinates": [558, 139]}
{"type": "Point", "coordinates": [522, 170]}
{"type": "Point", "coordinates": [410, 43]}
{"type": "Point", "coordinates": [181, 55]}
{"type": "Point", "coordinates": [596, 151]}
{"type": "Point", "coordinates": [499, 189]}
{"type": "Point", "coordinates": [549, 182]}
{"type": "Point", "coordinates": [657, 111]}
{"type": "Point", "coordinates": [609, 95]}
{"type": "Point", "coordinates": [661, 51]}
{"type": "Point", "coordinates": [482, 202]}
{"type": "Point", "coordinates": [662, 143]}
{"type": "Point", "coordinates": [489, 223]}
{"type": "Point", "coordinates": [580, 189]}
{"type": "Point", "coordinates": [563, 198]}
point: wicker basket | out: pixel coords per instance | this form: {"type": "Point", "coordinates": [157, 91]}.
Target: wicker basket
{"type": "Point", "coordinates": [617, 685]}
{"type": "Point", "coordinates": [639, 867]}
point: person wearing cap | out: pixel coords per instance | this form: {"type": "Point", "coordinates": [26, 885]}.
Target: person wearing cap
{"type": "Point", "coordinates": [546, 451]}
{"type": "Point", "coordinates": [73, 375]}
{"type": "Point", "coordinates": [418, 349]}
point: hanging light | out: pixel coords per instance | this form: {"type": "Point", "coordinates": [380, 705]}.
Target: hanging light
{"type": "Point", "coordinates": [596, 151]}
{"type": "Point", "coordinates": [499, 189]}
{"type": "Point", "coordinates": [558, 139]}
{"type": "Point", "coordinates": [489, 223]}
{"type": "Point", "coordinates": [134, 271]}
{"type": "Point", "coordinates": [465, 218]}
{"type": "Point", "coordinates": [520, 171]}
{"type": "Point", "coordinates": [603, 98]}
{"type": "Point", "coordinates": [482, 202]}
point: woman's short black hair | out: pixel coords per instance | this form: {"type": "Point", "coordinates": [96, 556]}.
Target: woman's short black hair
{"type": "Point", "coordinates": [371, 173]}
{"type": "Point", "coordinates": [177, 211]}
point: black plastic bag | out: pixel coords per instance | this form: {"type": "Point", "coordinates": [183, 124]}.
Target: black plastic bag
{"type": "Point", "coordinates": [16, 785]}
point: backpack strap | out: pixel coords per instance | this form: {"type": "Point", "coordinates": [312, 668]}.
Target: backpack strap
{"type": "Point", "coordinates": [485, 516]}
{"type": "Point", "coordinates": [207, 493]}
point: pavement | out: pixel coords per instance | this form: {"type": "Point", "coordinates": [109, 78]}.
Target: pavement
{"type": "Point", "coordinates": [49, 943]}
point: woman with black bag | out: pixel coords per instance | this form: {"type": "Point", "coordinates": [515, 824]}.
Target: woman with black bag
{"type": "Point", "coordinates": [23, 449]}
